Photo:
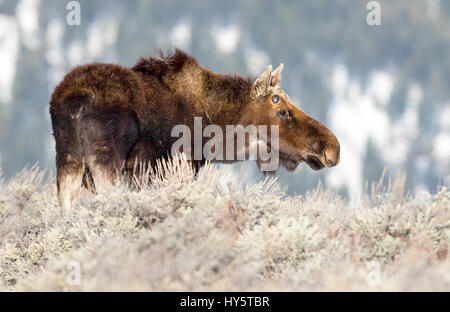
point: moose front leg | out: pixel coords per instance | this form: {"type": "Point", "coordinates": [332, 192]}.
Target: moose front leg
{"type": "Point", "coordinates": [140, 160]}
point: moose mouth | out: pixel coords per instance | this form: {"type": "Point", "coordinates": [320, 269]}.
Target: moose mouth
{"type": "Point", "coordinates": [314, 162]}
{"type": "Point", "coordinates": [291, 162]}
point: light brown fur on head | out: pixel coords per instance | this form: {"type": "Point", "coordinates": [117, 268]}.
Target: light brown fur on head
{"type": "Point", "coordinates": [302, 138]}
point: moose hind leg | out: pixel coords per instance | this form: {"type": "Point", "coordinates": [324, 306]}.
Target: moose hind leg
{"type": "Point", "coordinates": [106, 142]}
{"type": "Point", "coordinates": [69, 181]}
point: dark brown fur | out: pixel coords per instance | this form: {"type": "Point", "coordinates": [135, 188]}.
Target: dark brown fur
{"type": "Point", "coordinates": [108, 118]}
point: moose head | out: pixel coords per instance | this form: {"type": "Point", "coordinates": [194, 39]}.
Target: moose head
{"type": "Point", "coordinates": [301, 137]}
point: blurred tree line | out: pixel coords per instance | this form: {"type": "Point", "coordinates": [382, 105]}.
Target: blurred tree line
{"type": "Point", "coordinates": [310, 37]}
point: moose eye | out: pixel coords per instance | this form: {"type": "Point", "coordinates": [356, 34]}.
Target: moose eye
{"type": "Point", "coordinates": [275, 99]}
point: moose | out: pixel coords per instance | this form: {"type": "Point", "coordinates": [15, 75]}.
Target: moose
{"type": "Point", "coordinates": [107, 119]}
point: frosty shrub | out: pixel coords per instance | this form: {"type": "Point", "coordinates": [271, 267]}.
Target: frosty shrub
{"type": "Point", "coordinates": [182, 232]}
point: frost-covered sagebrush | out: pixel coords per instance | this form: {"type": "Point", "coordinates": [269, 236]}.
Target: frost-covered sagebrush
{"type": "Point", "coordinates": [209, 232]}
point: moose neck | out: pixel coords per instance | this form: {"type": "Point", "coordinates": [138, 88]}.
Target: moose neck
{"type": "Point", "coordinates": [220, 98]}
{"type": "Point", "coordinates": [225, 97]}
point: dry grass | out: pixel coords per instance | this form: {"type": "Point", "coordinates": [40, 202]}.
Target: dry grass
{"type": "Point", "coordinates": [212, 233]}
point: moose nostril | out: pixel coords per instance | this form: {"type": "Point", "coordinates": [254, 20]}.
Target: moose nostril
{"type": "Point", "coordinates": [329, 162]}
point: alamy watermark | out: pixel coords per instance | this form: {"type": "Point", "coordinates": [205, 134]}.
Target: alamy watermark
{"type": "Point", "coordinates": [73, 17]}
{"type": "Point", "coordinates": [73, 277]}
{"type": "Point", "coordinates": [374, 15]}
{"type": "Point", "coordinates": [373, 277]}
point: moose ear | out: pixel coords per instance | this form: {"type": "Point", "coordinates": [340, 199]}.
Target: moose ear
{"type": "Point", "coordinates": [261, 84]}
{"type": "Point", "coordinates": [276, 77]}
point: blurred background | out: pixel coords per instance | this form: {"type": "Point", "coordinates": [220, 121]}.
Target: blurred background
{"type": "Point", "coordinates": [383, 89]}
